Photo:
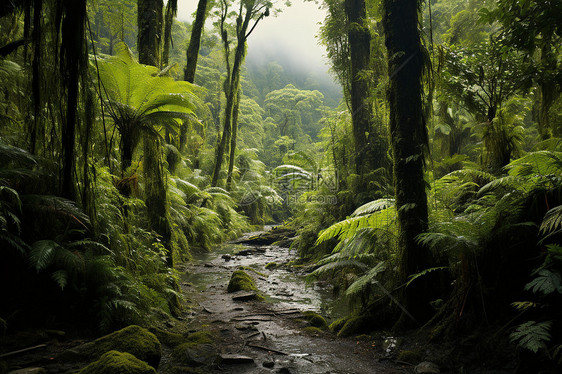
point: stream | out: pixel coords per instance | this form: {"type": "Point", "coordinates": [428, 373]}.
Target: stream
{"type": "Point", "coordinates": [268, 336]}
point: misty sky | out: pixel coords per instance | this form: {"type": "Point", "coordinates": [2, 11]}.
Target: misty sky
{"type": "Point", "coordinates": [289, 36]}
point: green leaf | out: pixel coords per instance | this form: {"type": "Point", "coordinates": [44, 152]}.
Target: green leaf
{"type": "Point", "coordinates": [547, 282]}
{"type": "Point", "coordinates": [42, 254]}
{"type": "Point", "coordinates": [532, 335]}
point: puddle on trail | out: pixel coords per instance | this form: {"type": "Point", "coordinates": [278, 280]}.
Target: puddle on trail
{"type": "Point", "coordinates": [281, 285]}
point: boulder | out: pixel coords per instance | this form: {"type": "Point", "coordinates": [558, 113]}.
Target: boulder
{"type": "Point", "coordinates": [133, 339]}
{"type": "Point", "coordinates": [426, 367]}
{"type": "Point", "coordinates": [115, 362]}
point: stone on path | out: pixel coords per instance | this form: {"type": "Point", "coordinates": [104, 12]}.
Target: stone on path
{"type": "Point", "coordinates": [234, 359]}
{"type": "Point", "coordinates": [427, 367]}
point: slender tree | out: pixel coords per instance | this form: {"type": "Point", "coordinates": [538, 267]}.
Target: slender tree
{"type": "Point", "coordinates": [195, 41]}
{"type": "Point", "coordinates": [247, 11]}
{"type": "Point", "coordinates": [409, 142]}
{"type": "Point", "coordinates": [171, 11]}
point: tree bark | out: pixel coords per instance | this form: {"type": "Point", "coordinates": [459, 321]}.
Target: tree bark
{"type": "Point", "coordinates": [195, 41]}
{"type": "Point", "coordinates": [409, 142]}
{"type": "Point", "coordinates": [149, 23]}
{"type": "Point", "coordinates": [171, 11]}
{"type": "Point", "coordinates": [233, 142]}
{"type": "Point", "coordinates": [71, 63]}
{"type": "Point", "coordinates": [361, 111]}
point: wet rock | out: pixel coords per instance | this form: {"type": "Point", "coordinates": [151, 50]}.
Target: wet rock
{"type": "Point", "coordinates": [226, 257]}
{"type": "Point", "coordinates": [118, 363]}
{"type": "Point", "coordinates": [244, 296]}
{"type": "Point", "coordinates": [133, 339]}
{"type": "Point", "coordinates": [427, 367]}
{"type": "Point", "coordinates": [241, 281]}
{"type": "Point", "coordinates": [208, 265]}
{"type": "Point", "coordinates": [28, 371]}
{"type": "Point", "coordinates": [268, 364]}
{"type": "Point", "coordinates": [199, 350]}
{"type": "Point", "coordinates": [232, 359]}
{"type": "Point", "coordinates": [269, 237]}
{"type": "Point", "coordinates": [285, 371]}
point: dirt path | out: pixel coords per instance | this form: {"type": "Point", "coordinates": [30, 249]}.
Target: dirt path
{"type": "Point", "coordinates": [268, 336]}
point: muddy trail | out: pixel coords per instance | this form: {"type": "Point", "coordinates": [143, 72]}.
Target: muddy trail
{"type": "Point", "coordinates": [238, 335]}
{"type": "Point", "coordinates": [273, 335]}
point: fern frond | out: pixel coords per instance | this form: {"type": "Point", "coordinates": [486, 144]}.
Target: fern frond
{"type": "Point", "coordinates": [365, 280]}
{"type": "Point", "coordinates": [338, 266]}
{"type": "Point", "coordinates": [373, 206]}
{"type": "Point", "coordinates": [547, 282]}
{"type": "Point", "coordinates": [42, 253]}
{"type": "Point", "coordinates": [532, 335]}
{"type": "Point", "coordinates": [552, 221]}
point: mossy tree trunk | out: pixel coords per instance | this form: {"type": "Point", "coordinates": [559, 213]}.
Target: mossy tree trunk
{"type": "Point", "coordinates": [359, 39]}
{"type": "Point", "coordinates": [150, 25]}
{"type": "Point", "coordinates": [195, 41]}
{"type": "Point", "coordinates": [233, 142]}
{"type": "Point", "coordinates": [409, 143]}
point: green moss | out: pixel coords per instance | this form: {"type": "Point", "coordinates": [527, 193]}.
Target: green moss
{"type": "Point", "coordinates": [168, 338]}
{"type": "Point", "coordinates": [313, 330]}
{"type": "Point", "coordinates": [337, 325]}
{"type": "Point", "coordinates": [248, 268]}
{"type": "Point", "coordinates": [271, 265]}
{"type": "Point", "coordinates": [133, 339]}
{"type": "Point", "coordinates": [352, 326]}
{"type": "Point", "coordinates": [115, 362]}
{"type": "Point", "coordinates": [197, 350]}
{"type": "Point", "coordinates": [412, 357]}
{"type": "Point", "coordinates": [315, 319]}
{"type": "Point", "coordinates": [241, 281]}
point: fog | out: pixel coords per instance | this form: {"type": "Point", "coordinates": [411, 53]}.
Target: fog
{"type": "Point", "coordinates": [288, 38]}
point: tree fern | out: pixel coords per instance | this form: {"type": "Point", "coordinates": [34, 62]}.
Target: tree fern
{"type": "Point", "coordinates": [364, 282]}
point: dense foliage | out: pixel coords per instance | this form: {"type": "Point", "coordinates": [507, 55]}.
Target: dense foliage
{"type": "Point", "coordinates": [429, 192]}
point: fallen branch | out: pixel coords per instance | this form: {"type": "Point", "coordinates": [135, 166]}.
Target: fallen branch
{"type": "Point", "coordinates": [22, 350]}
{"type": "Point", "coordinates": [267, 349]}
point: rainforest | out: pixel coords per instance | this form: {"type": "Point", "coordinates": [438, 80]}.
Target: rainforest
{"type": "Point", "coordinates": [185, 189]}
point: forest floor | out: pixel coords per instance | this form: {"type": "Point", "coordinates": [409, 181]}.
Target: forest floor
{"type": "Point", "coordinates": [272, 335]}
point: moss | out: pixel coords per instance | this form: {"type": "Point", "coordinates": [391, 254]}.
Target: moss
{"type": "Point", "coordinates": [168, 338]}
{"type": "Point", "coordinates": [197, 350]}
{"type": "Point", "coordinates": [353, 325]}
{"type": "Point", "coordinates": [313, 330]}
{"type": "Point", "coordinates": [248, 268]}
{"type": "Point", "coordinates": [412, 357]}
{"type": "Point", "coordinates": [241, 281]}
{"type": "Point", "coordinates": [315, 319]}
{"type": "Point", "coordinates": [337, 325]}
{"type": "Point", "coordinates": [115, 362]}
{"type": "Point", "coordinates": [133, 339]}
{"type": "Point", "coordinates": [271, 265]}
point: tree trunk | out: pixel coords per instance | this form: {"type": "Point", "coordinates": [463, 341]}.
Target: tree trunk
{"type": "Point", "coordinates": [195, 41]}
{"type": "Point", "coordinates": [233, 141]}
{"type": "Point", "coordinates": [232, 88]}
{"type": "Point", "coordinates": [171, 11]}
{"type": "Point", "coordinates": [409, 142]}
{"type": "Point", "coordinates": [361, 111]}
{"type": "Point", "coordinates": [36, 76]}
{"type": "Point", "coordinates": [71, 63]}
{"type": "Point", "coordinates": [149, 23]}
